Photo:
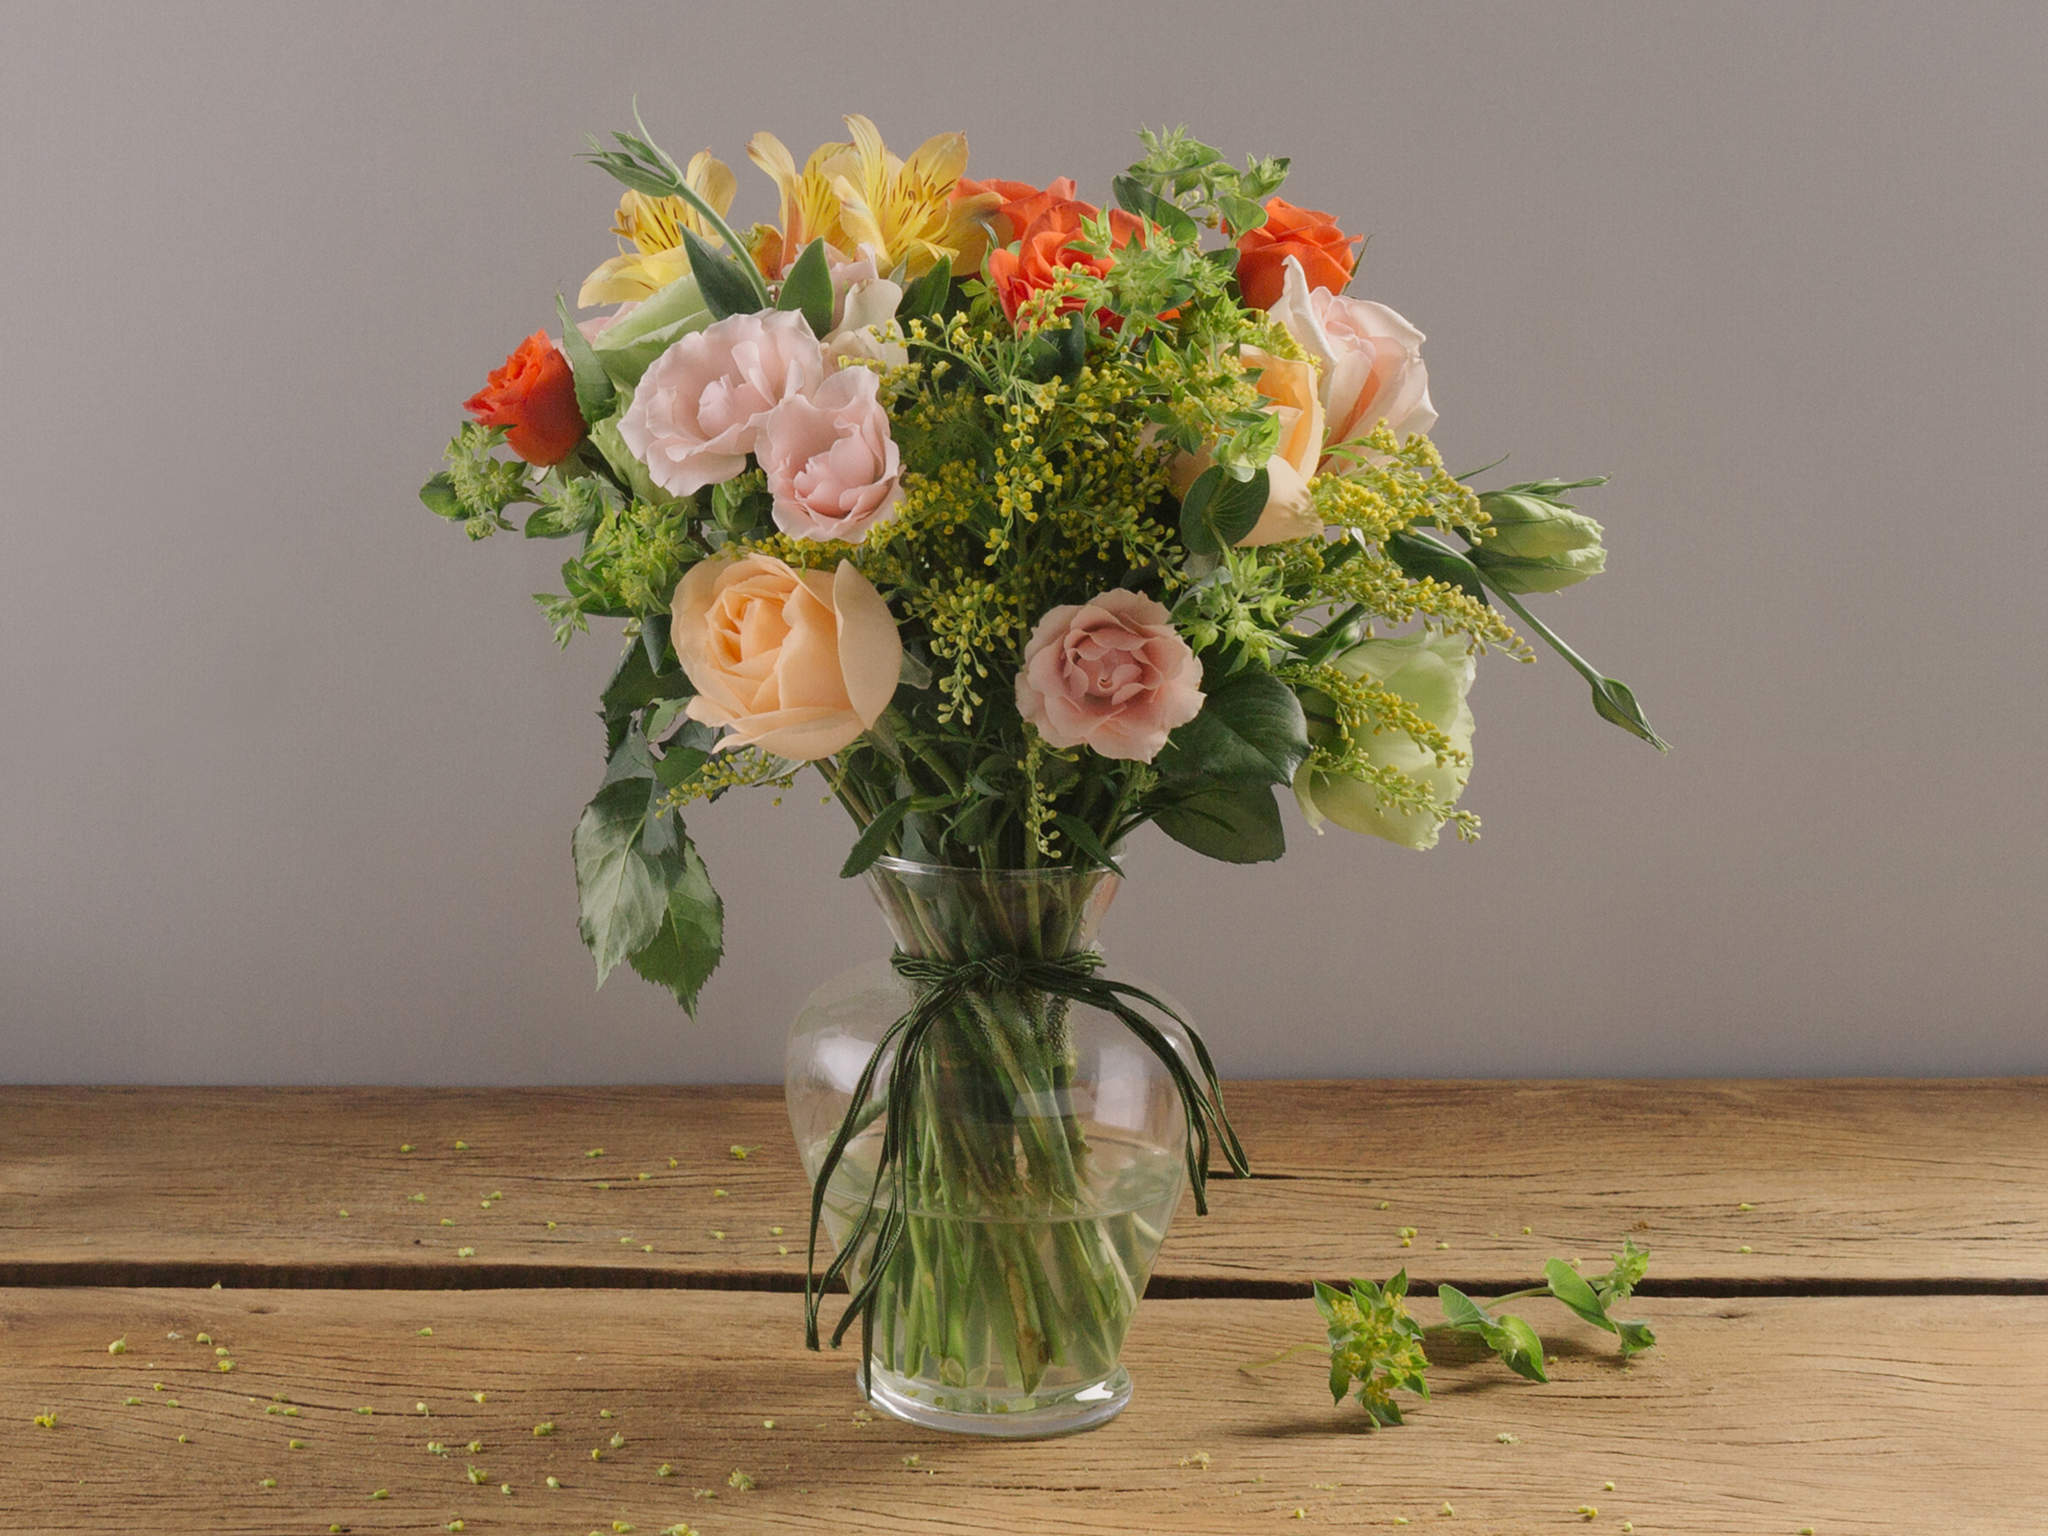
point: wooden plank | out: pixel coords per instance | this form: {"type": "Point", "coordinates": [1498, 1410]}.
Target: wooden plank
{"type": "Point", "coordinates": [1844, 1414]}
{"type": "Point", "coordinates": [1847, 1183]}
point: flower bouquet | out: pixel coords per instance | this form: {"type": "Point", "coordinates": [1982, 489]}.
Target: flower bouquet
{"type": "Point", "coordinates": [1025, 523]}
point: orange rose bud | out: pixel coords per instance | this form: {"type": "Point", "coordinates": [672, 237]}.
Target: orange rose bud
{"type": "Point", "coordinates": [1309, 236]}
{"type": "Point", "coordinates": [534, 394]}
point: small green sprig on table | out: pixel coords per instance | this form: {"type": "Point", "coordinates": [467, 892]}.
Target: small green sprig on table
{"type": "Point", "coordinates": [1377, 1348]}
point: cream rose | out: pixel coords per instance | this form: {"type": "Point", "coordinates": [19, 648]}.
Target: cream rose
{"type": "Point", "coordinates": [797, 663]}
{"type": "Point", "coordinates": [1371, 362]}
{"type": "Point", "coordinates": [831, 463]}
{"type": "Point", "coordinates": [1111, 674]}
{"type": "Point", "coordinates": [697, 410]}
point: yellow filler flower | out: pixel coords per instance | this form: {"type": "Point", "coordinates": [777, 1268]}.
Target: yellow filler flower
{"type": "Point", "coordinates": [858, 194]}
{"type": "Point", "coordinates": [654, 227]}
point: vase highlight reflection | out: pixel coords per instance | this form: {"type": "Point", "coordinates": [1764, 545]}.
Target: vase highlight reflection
{"type": "Point", "coordinates": [1042, 1155]}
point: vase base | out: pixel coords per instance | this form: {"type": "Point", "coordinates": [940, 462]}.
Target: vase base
{"type": "Point", "coordinates": [1027, 1419]}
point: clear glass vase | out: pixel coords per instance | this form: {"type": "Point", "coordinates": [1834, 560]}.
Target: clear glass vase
{"type": "Point", "coordinates": [1043, 1159]}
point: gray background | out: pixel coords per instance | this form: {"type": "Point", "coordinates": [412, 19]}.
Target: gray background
{"type": "Point", "coordinates": [288, 769]}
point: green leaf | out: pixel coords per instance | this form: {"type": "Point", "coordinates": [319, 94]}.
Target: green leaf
{"type": "Point", "coordinates": [723, 284]}
{"type": "Point", "coordinates": [625, 863]}
{"type": "Point", "coordinates": [1083, 837]}
{"type": "Point", "coordinates": [1420, 556]}
{"type": "Point", "coordinates": [873, 841]}
{"type": "Point", "coordinates": [1569, 1287]}
{"type": "Point", "coordinates": [1134, 197]}
{"type": "Point", "coordinates": [654, 633]}
{"type": "Point", "coordinates": [1251, 730]}
{"type": "Point", "coordinates": [1615, 703]}
{"type": "Point", "coordinates": [634, 685]}
{"type": "Point", "coordinates": [1635, 1337]}
{"type": "Point", "coordinates": [1520, 1350]}
{"type": "Point", "coordinates": [439, 496]}
{"type": "Point", "coordinates": [1460, 1310]}
{"type": "Point", "coordinates": [924, 297]}
{"type": "Point", "coordinates": [808, 288]}
{"type": "Point", "coordinates": [594, 391]}
{"type": "Point", "coordinates": [1236, 825]}
{"type": "Point", "coordinates": [690, 937]}
{"type": "Point", "coordinates": [1218, 510]}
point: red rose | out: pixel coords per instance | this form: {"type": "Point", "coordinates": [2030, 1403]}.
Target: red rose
{"type": "Point", "coordinates": [1309, 236]}
{"type": "Point", "coordinates": [534, 394]}
{"type": "Point", "coordinates": [1046, 249]}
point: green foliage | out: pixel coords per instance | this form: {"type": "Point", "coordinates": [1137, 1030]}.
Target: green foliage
{"type": "Point", "coordinates": [1236, 824]}
{"type": "Point", "coordinates": [477, 486]}
{"type": "Point", "coordinates": [808, 288]}
{"type": "Point", "coordinates": [641, 886]}
{"type": "Point", "coordinates": [1251, 731]}
{"type": "Point", "coordinates": [1375, 1346]}
{"type": "Point", "coordinates": [1187, 174]}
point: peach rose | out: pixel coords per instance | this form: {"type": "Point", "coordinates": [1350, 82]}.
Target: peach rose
{"type": "Point", "coordinates": [1371, 358]}
{"type": "Point", "coordinates": [1290, 384]}
{"type": "Point", "coordinates": [831, 462]}
{"type": "Point", "coordinates": [1110, 674]}
{"type": "Point", "coordinates": [1021, 202]}
{"type": "Point", "coordinates": [797, 663]}
{"type": "Point", "coordinates": [1305, 235]}
{"type": "Point", "coordinates": [698, 408]}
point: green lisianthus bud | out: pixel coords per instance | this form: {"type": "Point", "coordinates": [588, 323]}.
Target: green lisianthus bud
{"type": "Point", "coordinates": [1537, 543]}
{"type": "Point", "coordinates": [631, 342]}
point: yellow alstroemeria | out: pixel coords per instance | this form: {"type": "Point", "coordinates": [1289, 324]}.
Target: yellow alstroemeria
{"type": "Point", "coordinates": [654, 227]}
{"type": "Point", "coordinates": [857, 194]}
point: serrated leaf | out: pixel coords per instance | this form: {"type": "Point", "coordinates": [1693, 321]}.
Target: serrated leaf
{"type": "Point", "coordinates": [808, 288]}
{"type": "Point", "coordinates": [1251, 730]}
{"type": "Point", "coordinates": [1218, 510]}
{"type": "Point", "coordinates": [690, 938]}
{"type": "Point", "coordinates": [724, 286]}
{"type": "Point", "coordinates": [634, 685]}
{"type": "Point", "coordinates": [625, 863]}
{"type": "Point", "coordinates": [873, 841]}
{"type": "Point", "coordinates": [594, 390]}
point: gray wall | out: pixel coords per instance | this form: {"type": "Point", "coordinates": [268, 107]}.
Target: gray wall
{"type": "Point", "coordinates": [287, 769]}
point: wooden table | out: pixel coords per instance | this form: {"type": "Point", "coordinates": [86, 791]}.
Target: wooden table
{"type": "Point", "coordinates": [1849, 1286]}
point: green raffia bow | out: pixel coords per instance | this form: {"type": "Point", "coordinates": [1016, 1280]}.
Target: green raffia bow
{"type": "Point", "coordinates": [941, 984]}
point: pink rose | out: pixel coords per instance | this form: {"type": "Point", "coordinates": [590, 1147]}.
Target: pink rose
{"type": "Point", "coordinates": [797, 663]}
{"type": "Point", "coordinates": [1109, 674]}
{"type": "Point", "coordinates": [832, 466]}
{"type": "Point", "coordinates": [697, 410]}
{"type": "Point", "coordinates": [1371, 362]}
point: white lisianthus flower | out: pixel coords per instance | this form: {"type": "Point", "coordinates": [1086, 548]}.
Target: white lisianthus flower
{"type": "Point", "coordinates": [1432, 672]}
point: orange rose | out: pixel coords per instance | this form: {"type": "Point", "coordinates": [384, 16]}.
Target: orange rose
{"type": "Point", "coordinates": [1021, 202]}
{"type": "Point", "coordinates": [534, 394]}
{"type": "Point", "coordinates": [1046, 249]}
{"type": "Point", "coordinates": [1310, 236]}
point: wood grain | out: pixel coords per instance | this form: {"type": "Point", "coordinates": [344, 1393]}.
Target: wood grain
{"type": "Point", "coordinates": [1846, 1414]}
{"type": "Point", "coordinates": [1934, 1185]}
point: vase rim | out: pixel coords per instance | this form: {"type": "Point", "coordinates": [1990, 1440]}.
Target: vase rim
{"type": "Point", "coordinates": [891, 864]}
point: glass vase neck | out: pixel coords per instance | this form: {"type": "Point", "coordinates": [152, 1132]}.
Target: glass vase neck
{"type": "Point", "coordinates": [956, 912]}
